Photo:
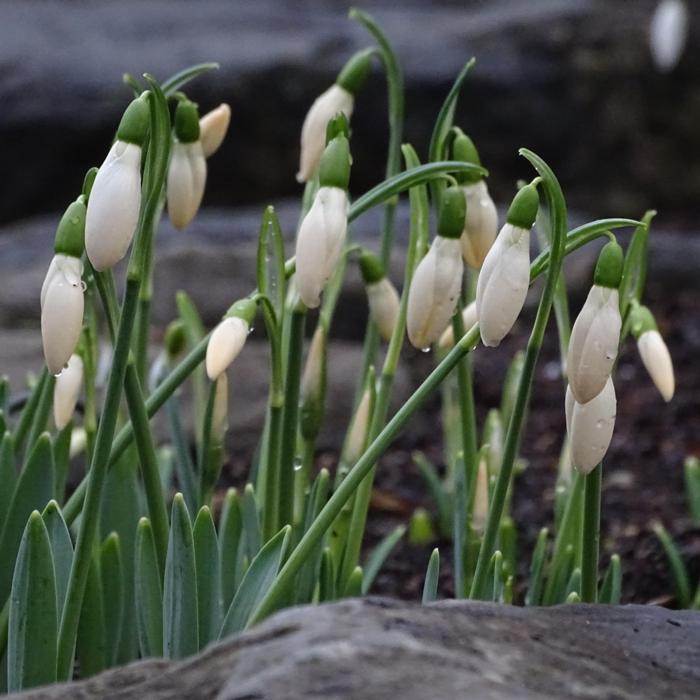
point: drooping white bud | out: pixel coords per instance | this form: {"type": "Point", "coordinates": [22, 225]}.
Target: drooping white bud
{"type": "Point", "coordinates": [187, 175]}
{"type": "Point", "coordinates": [434, 292]}
{"type": "Point", "coordinates": [657, 360]}
{"type": "Point", "coordinates": [384, 306]}
{"type": "Point", "coordinates": [78, 442]}
{"type": "Point", "coordinates": [66, 391]}
{"type": "Point", "coordinates": [503, 283]}
{"type": "Point", "coordinates": [219, 418]}
{"type": "Point", "coordinates": [447, 339]}
{"type": "Point", "coordinates": [668, 34]}
{"type": "Point", "coordinates": [225, 342]}
{"type": "Point", "coordinates": [320, 243]}
{"type": "Point", "coordinates": [594, 342]}
{"type": "Point", "coordinates": [313, 376]}
{"type": "Point", "coordinates": [590, 427]}
{"type": "Point", "coordinates": [113, 207]}
{"type": "Point", "coordinates": [481, 224]}
{"type": "Point", "coordinates": [358, 432]}
{"type": "Point", "coordinates": [313, 132]}
{"type": "Point", "coordinates": [213, 127]}
{"type": "Point", "coordinates": [62, 306]}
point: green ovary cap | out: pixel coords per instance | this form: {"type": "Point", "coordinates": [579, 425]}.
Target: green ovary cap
{"type": "Point", "coordinates": [175, 338]}
{"type": "Point", "coordinates": [337, 126]}
{"type": "Point", "coordinates": [641, 320]}
{"type": "Point", "coordinates": [608, 270]}
{"type": "Point", "coordinates": [70, 234]}
{"type": "Point", "coordinates": [134, 124]}
{"type": "Point", "coordinates": [355, 71]}
{"type": "Point", "coordinates": [453, 210]}
{"type": "Point", "coordinates": [244, 309]}
{"type": "Point", "coordinates": [523, 209]}
{"type": "Point", "coordinates": [186, 122]}
{"type": "Point", "coordinates": [371, 267]}
{"type": "Point", "coordinates": [89, 180]}
{"type": "Point", "coordinates": [463, 149]}
{"type": "Point", "coordinates": [334, 170]}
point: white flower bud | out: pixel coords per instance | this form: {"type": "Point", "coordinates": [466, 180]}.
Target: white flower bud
{"type": "Point", "coordinates": [225, 342]}
{"type": "Point", "coordinates": [78, 442]}
{"type": "Point", "coordinates": [66, 391]}
{"type": "Point", "coordinates": [187, 175]}
{"type": "Point", "coordinates": [481, 496]}
{"type": "Point", "coordinates": [213, 127]}
{"type": "Point", "coordinates": [668, 34]}
{"type": "Point", "coordinates": [503, 283]}
{"type": "Point", "coordinates": [480, 225]}
{"type": "Point", "coordinates": [447, 339]}
{"type": "Point", "coordinates": [62, 306]}
{"type": "Point", "coordinates": [657, 360]}
{"type": "Point", "coordinates": [313, 132]}
{"type": "Point", "coordinates": [590, 427]}
{"type": "Point", "coordinates": [312, 378]}
{"type": "Point", "coordinates": [384, 306]}
{"type": "Point", "coordinates": [594, 341]}
{"type": "Point", "coordinates": [219, 418]}
{"type": "Point", "coordinates": [113, 207]}
{"type": "Point", "coordinates": [320, 243]}
{"type": "Point", "coordinates": [434, 292]}
{"type": "Point", "coordinates": [358, 432]}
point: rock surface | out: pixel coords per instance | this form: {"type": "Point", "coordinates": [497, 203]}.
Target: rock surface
{"type": "Point", "coordinates": [377, 649]}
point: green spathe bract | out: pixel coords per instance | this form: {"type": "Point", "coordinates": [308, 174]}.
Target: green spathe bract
{"type": "Point", "coordinates": [371, 267]}
{"type": "Point", "coordinates": [608, 270]}
{"type": "Point", "coordinates": [463, 148]}
{"type": "Point", "coordinates": [186, 121]}
{"type": "Point", "coordinates": [334, 170]}
{"type": "Point", "coordinates": [70, 234]}
{"type": "Point", "coordinates": [354, 73]}
{"type": "Point", "coordinates": [523, 209]}
{"type": "Point", "coordinates": [453, 209]}
{"type": "Point", "coordinates": [135, 121]}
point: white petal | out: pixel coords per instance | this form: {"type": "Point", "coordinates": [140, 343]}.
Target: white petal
{"type": "Point", "coordinates": [480, 225]}
{"type": "Point", "coordinates": [503, 283]}
{"type": "Point", "coordinates": [313, 132]}
{"type": "Point", "coordinates": [187, 174]}
{"type": "Point", "coordinates": [384, 306]}
{"type": "Point", "coordinates": [592, 426]}
{"type": "Point", "coordinates": [668, 33]}
{"type": "Point", "coordinates": [47, 280]}
{"type": "Point", "coordinates": [447, 339]}
{"type": "Point", "coordinates": [113, 207]}
{"type": "Point", "coordinates": [66, 391]}
{"type": "Point", "coordinates": [225, 342]}
{"type": "Point", "coordinates": [213, 127]}
{"type": "Point", "coordinates": [594, 342]}
{"type": "Point", "coordinates": [657, 360]}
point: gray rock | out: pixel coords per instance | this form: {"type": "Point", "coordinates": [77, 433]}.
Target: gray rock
{"type": "Point", "coordinates": [377, 649]}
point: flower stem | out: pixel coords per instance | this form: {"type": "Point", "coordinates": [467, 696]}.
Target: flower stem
{"type": "Point", "coordinates": [591, 535]}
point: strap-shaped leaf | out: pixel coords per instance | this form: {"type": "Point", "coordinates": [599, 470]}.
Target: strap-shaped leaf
{"type": "Point", "coordinates": [33, 491]}
{"type": "Point", "coordinates": [326, 577]}
{"type": "Point", "coordinates": [257, 580]}
{"type": "Point", "coordinates": [113, 586]}
{"type": "Point", "coordinates": [92, 635]}
{"type": "Point", "coordinates": [8, 475]}
{"type": "Point", "coordinates": [432, 575]}
{"type": "Point", "coordinates": [535, 582]}
{"type": "Point", "coordinates": [149, 592]}
{"type": "Point", "coordinates": [33, 621]}
{"type": "Point", "coordinates": [271, 277]}
{"type": "Point", "coordinates": [379, 555]}
{"type": "Point", "coordinates": [206, 551]}
{"type": "Point", "coordinates": [353, 588]}
{"type": "Point", "coordinates": [230, 531]}
{"type": "Point", "coordinates": [180, 616]}
{"type": "Point", "coordinates": [61, 455]}
{"type": "Point", "coordinates": [61, 548]}
{"type": "Point", "coordinates": [251, 522]}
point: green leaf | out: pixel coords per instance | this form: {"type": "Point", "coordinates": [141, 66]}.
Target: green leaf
{"type": "Point", "coordinates": [559, 577]}
{"type": "Point", "coordinates": [507, 543]}
{"type": "Point", "coordinates": [251, 522]}
{"type": "Point", "coordinates": [180, 79]}
{"type": "Point", "coordinates": [496, 574]}
{"type": "Point", "coordinates": [24, 421]}
{"type": "Point", "coordinates": [536, 579]}
{"type": "Point", "coordinates": [182, 458]}
{"type": "Point", "coordinates": [33, 620]}
{"type": "Point", "coordinates": [379, 555]}
{"type": "Point", "coordinates": [92, 642]}
{"type": "Point", "coordinates": [61, 549]}
{"type": "Point", "coordinates": [634, 272]}
{"type": "Point", "coordinates": [113, 585]}
{"type": "Point", "coordinates": [437, 491]}
{"type": "Point", "coordinates": [206, 551]}
{"type": "Point", "coordinates": [611, 588]}
{"type": "Point", "coordinates": [180, 611]}
{"type": "Point", "coordinates": [681, 582]}
{"type": "Point", "coordinates": [353, 588]}
{"type": "Point", "coordinates": [271, 277]}
{"type": "Point", "coordinates": [692, 486]}
{"type": "Point", "coordinates": [230, 532]}
{"type": "Point", "coordinates": [8, 475]}
{"type": "Point", "coordinates": [61, 455]}
{"type": "Point", "coordinates": [432, 576]}
{"type": "Point", "coordinates": [459, 527]}
{"type": "Point", "coordinates": [149, 592]}
{"type": "Point", "coordinates": [326, 580]}
{"type": "Point", "coordinates": [574, 583]}
{"type": "Point", "coordinates": [33, 491]}
{"type": "Point", "coordinates": [257, 580]}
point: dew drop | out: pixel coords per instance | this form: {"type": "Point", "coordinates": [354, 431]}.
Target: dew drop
{"type": "Point", "coordinates": [425, 349]}
{"type": "Point", "coordinates": [75, 220]}
{"type": "Point", "coordinates": [297, 465]}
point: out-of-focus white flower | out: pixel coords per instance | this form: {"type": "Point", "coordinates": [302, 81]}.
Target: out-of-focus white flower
{"type": "Point", "coordinates": [66, 391]}
{"type": "Point", "coordinates": [357, 436]}
{"type": "Point", "coordinates": [187, 176]}
{"type": "Point", "coordinates": [668, 33]}
{"type": "Point", "coordinates": [657, 360]}
{"type": "Point", "coordinates": [78, 442]}
{"type": "Point", "coordinates": [384, 306]}
{"type": "Point", "coordinates": [447, 339]}
{"type": "Point", "coordinates": [213, 127]}
{"type": "Point", "coordinates": [113, 207]}
{"type": "Point", "coordinates": [313, 376]}
{"type": "Point", "coordinates": [320, 243]}
{"type": "Point", "coordinates": [62, 307]}
{"type": "Point", "coordinates": [590, 427]}
{"type": "Point", "coordinates": [481, 224]}
{"type": "Point", "coordinates": [225, 343]}
{"type": "Point", "coordinates": [505, 275]}
{"type": "Point", "coordinates": [481, 496]}
{"type": "Point", "coordinates": [219, 418]}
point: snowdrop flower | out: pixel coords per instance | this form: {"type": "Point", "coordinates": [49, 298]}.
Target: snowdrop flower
{"type": "Point", "coordinates": [447, 339]}
{"type": "Point", "coordinates": [437, 280]}
{"type": "Point", "coordinates": [322, 233]}
{"type": "Point", "coordinates": [66, 391]}
{"type": "Point", "coordinates": [481, 223]}
{"type": "Point", "coordinates": [382, 296]}
{"type": "Point", "coordinates": [357, 437]}
{"type": "Point", "coordinates": [187, 170]}
{"type": "Point", "coordinates": [505, 275]}
{"type": "Point", "coordinates": [340, 97]}
{"type": "Point", "coordinates": [228, 338]}
{"type": "Point", "coordinates": [653, 351]}
{"type": "Point", "coordinates": [595, 336]}
{"type": "Point", "coordinates": [213, 127]}
{"type": "Point", "coordinates": [115, 198]}
{"type": "Point", "coordinates": [312, 389]}
{"type": "Point", "coordinates": [481, 496]}
{"type": "Point", "coordinates": [590, 427]}
{"type": "Point", "coordinates": [668, 34]}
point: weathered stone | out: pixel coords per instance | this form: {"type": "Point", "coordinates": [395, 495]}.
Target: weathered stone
{"type": "Point", "coordinates": [379, 649]}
